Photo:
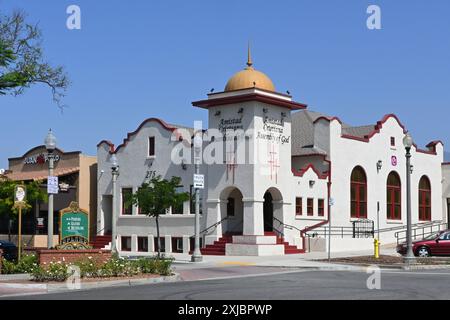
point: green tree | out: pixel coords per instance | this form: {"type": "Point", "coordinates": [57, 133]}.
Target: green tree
{"type": "Point", "coordinates": [157, 196]}
{"type": "Point", "coordinates": [22, 62]}
{"type": "Point", "coordinates": [7, 187]}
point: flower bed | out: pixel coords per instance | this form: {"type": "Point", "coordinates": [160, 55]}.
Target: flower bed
{"type": "Point", "coordinates": [90, 267]}
{"type": "Point", "coordinates": [26, 265]}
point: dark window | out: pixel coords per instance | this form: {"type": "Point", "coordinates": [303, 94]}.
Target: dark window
{"type": "Point", "coordinates": [358, 193]}
{"type": "Point", "coordinates": [393, 141]}
{"type": "Point", "coordinates": [394, 197]}
{"type": "Point", "coordinates": [177, 244]}
{"type": "Point", "coordinates": [151, 146]}
{"type": "Point", "coordinates": [142, 244]}
{"type": "Point", "coordinates": [163, 244]}
{"type": "Point", "coordinates": [298, 206]}
{"type": "Point", "coordinates": [320, 208]}
{"type": "Point", "coordinates": [310, 206]}
{"type": "Point", "coordinates": [424, 199]}
{"type": "Point", "coordinates": [230, 207]}
{"type": "Point", "coordinates": [125, 243]}
{"type": "Point", "coordinates": [126, 197]}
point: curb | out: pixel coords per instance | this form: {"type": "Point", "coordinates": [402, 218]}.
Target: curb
{"type": "Point", "coordinates": [398, 266]}
{"type": "Point", "coordinates": [61, 287]}
{"type": "Point", "coordinates": [8, 277]}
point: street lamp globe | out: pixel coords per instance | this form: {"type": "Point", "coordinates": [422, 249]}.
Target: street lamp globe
{"type": "Point", "coordinates": [198, 142]}
{"type": "Point", "coordinates": [114, 162]}
{"type": "Point", "coordinates": [50, 141]}
{"type": "Point", "coordinates": [408, 141]}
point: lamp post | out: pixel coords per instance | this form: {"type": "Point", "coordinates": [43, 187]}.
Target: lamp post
{"type": "Point", "coordinates": [409, 258]}
{"type": "Point", "coordinates": [115, 174]}
{"type": "Point", "coordinates": [197, 255]}
{"type": "Point", "coordinates": [50, 145]}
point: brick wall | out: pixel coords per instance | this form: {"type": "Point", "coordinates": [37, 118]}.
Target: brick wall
{"type": "Point", "coordinates": [69, 256]}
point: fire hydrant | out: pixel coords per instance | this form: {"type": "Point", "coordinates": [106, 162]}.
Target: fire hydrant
{"type": "Point", "coordinates": [376, 244]}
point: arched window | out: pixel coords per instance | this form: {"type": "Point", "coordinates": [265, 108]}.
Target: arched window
{"type": "Point", "coordinates": [358, 193]}
{"type": "Point", "coordinates": [424, 199]}
{"type": "Point", "coordinates": [394, 197]}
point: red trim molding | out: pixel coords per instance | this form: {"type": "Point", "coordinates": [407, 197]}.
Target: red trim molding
{"type": "Point", "coordinates": [249, 97]}
{"type": "Point", "coordinates": [329, 119]}
{"type": "Point", "coordinates": [164, 124]}
{"type": "Point", "coordinates": [301, 172]}
{"type": "Point", "coordinates": [377, 128]}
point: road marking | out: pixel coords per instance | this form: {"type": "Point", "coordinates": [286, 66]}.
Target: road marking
{"type": "Point", "coordinates": [236, 263]}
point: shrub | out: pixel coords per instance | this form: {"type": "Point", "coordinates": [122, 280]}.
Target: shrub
{"type": "Point", "coordinates": [55, 271]}
{"type": "Point", "coordinates": [89, 268]}
{"type": "Point", "coordinates": [117, 267]}
{"type": "Point", "coordinates": [154, 266]}
{"type": "Point", "coordinates": [26, 265]}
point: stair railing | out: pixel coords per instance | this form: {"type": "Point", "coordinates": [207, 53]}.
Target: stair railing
{"type": "Point", "coordinates": [287, 226]}
{"type": "Point", "coordinates": [421, 231]}
{"type": "Point", "coordinates": [278, 232]}
{"type": "Point", "coordinates": [205, 231]}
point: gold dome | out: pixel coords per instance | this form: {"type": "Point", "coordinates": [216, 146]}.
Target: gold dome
{"type": "Point", "coordinates": [249, 78]}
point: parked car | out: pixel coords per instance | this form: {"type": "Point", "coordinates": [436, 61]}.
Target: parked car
{"type": "Point", "coordinates": [9, 250]}
{"type": "Point", "coordinates": [436, 244]}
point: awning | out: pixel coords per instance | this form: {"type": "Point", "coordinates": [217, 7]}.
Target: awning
{"type": "Point", "coordinates": [40, 175]}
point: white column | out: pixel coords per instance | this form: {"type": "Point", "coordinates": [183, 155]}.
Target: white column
{"type": "Point", "coordinates": [253, 217]}
{"type": "Point", "coordinates": [213, 216]}
{"type": "Point", "coordinates": [151, 243]}
{"type": "Point", "coordinates": [168, 241]}
{"type": "Point", "coordinates": [185, 244]}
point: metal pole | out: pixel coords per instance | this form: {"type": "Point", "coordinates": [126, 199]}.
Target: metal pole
{"type": "Point", "coordinates": [114, 211]}
{"type": "Point", "coordinates": [50, 205]}
{"type": "Point", "coordinates": [20, 233]}
{"type": "Point", "coordinates": [197, 255]}
{"type": "Point", "coordinates": [409, 258]}
{"type": "Point", "coordinates": [329, 236]}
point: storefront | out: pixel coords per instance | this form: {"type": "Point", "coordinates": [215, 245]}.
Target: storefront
{"type": "Point", "coordinates": [76, 174]}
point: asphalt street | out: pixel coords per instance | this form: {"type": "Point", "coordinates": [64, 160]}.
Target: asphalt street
{"type": "Point", "coordinates": [346, 285]}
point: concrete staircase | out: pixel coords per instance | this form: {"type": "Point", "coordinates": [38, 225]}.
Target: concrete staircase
{"type": "Point", "coordinates": [288, 249]}
{"type": "Point", "coordinates": [101, 242]}
{"type": "Point", "coordinates": [218, 247]}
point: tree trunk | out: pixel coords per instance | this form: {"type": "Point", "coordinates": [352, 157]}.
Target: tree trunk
{"type": "Point", "coordinates": [159, 238]}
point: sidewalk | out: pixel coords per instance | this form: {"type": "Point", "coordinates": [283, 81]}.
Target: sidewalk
{"type": "Point", "coordinates": [305, 260]}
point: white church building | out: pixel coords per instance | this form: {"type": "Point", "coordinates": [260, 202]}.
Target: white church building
{"type": "Point", "coordinates": [276, 176]}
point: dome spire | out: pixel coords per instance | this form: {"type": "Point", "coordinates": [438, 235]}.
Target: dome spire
{"type": "Point", "coordinates": [249, 57]}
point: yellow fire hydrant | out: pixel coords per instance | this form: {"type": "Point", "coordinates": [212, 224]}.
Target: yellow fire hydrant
{"type": "Point", "coordinates": [376, 244]}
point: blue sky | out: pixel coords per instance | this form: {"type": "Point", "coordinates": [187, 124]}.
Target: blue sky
{"type": "Point", "coordinates": [137, 59]}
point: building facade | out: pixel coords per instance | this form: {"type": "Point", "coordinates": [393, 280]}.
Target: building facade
{"type": "Point", "coordinates": [76, 174]}
{"type": "Point", "coordinates": [275, 173]}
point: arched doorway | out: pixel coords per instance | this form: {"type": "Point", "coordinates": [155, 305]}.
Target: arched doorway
{"type": "Point", "coordinates": [268, 212]}
{"type": "Point", "coordinates": [232, 210]}
{"type": "Point", "coordinates": [272, 207]}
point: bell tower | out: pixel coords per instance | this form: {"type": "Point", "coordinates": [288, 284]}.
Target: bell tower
{"type": "Point", "coordinates": [251, 123]}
